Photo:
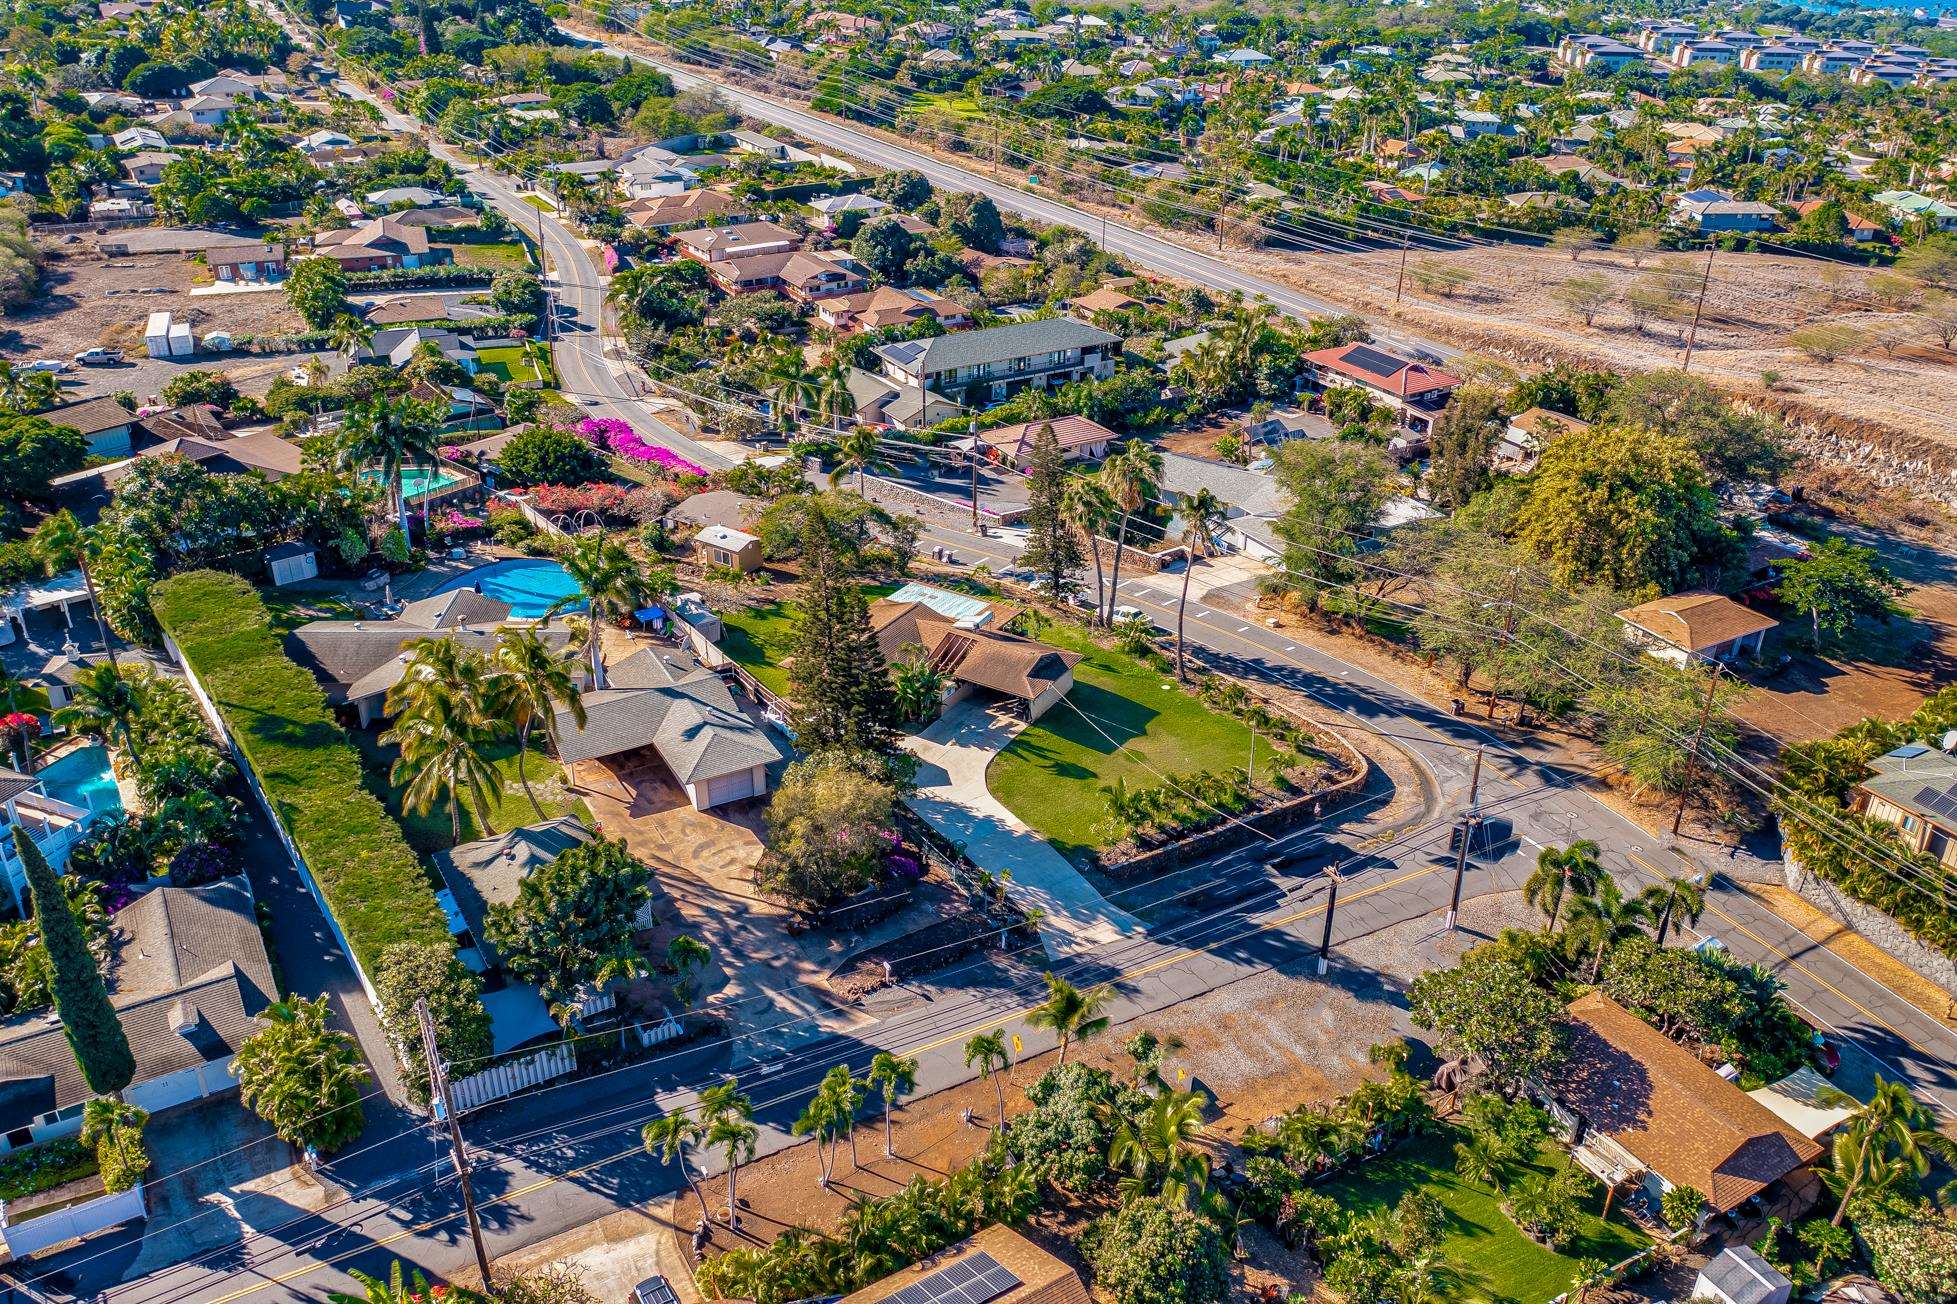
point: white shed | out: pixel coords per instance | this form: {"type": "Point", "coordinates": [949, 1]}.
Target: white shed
{"type": "Point", "coordinates": [291, 563]}
{"type": "Point", "coordinates": [182, 342]}
{"type": "Point", "coordinates": [156, 335]}
{"type": "Point", "coordinates": [1740, 1276]}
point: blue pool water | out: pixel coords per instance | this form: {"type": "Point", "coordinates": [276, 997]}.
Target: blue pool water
{"type": "Point", "coordinates": [530, 586]}
{"type": "Point", "coordinates": [83, 778]}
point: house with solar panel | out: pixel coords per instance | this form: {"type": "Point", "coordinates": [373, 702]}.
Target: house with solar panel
{"type": "Point", "coordinates": [997, 1266]}
{"type": "Point", "coordinates": [1413, 391]}
{"type": "Point", "coordinates": [1914, 791]}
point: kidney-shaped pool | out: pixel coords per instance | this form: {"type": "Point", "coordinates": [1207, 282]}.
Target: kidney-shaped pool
{"type": "Point", "coordinates": [531, 585]}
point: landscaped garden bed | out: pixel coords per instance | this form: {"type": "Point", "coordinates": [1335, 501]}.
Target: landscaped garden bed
{"type": "Point", "coordinates": [35, 1169]}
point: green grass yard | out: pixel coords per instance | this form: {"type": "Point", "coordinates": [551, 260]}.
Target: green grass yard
{"type": "Point", "coordinates": [757, 638]}
{"type": "Point", "coordinates": [1489, 1260]}
{"type": "Point", "coordinates": [1123, 720]}
{"type": "Point", "coordinates": [496, 254]}
{"type": "Point", "coordinates": [509, 808]}
{"type": "Point", "coordinates": [512, 364]}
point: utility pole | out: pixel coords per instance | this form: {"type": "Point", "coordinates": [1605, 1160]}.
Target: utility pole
{"type": "Point", "coordinates": [1508, 632]}
{"type": "Point", "coordinates": [973, 455]}
{"type": "Point", "coordinates": [458, 1150]}
{"type": "Point", "coordinates": [1250, 771]}
{"type": "Point", "coordinates": [1400, 281]}
{"type": "Point", "coordinates": [1331, 905]}
{"type": "Point", "coordinates": [1698, 309]}
{"type": "Point", "coordinates": [1467, 827]}
{"type": "Point", "coordinates": [1698, 739]}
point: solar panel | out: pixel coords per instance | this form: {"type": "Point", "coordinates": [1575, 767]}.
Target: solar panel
{"type": "Point", "coordinates": [1910, 751]}
{"type": "Point", "coordinates": [1373, 361]}
{"type": "Point", "coordinates": [973, 1280]}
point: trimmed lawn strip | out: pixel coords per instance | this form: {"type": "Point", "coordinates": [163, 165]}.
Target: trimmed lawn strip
{"type": "Point", "coordinates": [1143, 727]}
{"type": "Point", "coordinates": [428, 831]}
{"type": "Point", "coordinates": [376, 886]}
{"type": "Point", "coordinates": [511, 363]}
{"type": "Point", "coordinates": [1488, 1258]}
{"type": "Point", "coordinates": [496, 254]}
{"type": "Point", "coordinates": [757, 638]}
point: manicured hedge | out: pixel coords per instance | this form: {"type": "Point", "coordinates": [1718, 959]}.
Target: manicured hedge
{"type": "Point", "coordinates": [304, 762]}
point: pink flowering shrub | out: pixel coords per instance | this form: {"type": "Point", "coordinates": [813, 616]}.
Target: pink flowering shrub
{"type": "Point", "coordinates": [610, 432]}
{"type": "Point", "coordinates": [569, 500]}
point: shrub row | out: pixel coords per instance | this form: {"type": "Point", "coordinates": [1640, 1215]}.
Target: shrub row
{"type": "Point", "coordinates": [304, 762]}
{"type": "Point", "coordinates": [445, 274]}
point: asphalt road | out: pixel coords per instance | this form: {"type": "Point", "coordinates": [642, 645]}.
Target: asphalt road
{"type": "Point", "coordinates": [1141, 247]}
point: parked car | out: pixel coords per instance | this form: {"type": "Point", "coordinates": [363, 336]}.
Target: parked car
{"type": "Point", "coordinates": [98, 358]}
{"type": "Point", "coordinates": [1125, 614]}
{"type": "Point", "coordinates": [53, 365]}
{"type": "Point", "coordinates": [654, 1290]}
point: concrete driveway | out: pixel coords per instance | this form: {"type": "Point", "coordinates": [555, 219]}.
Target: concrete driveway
{"type": "Point", "coordinates": [952, 796]}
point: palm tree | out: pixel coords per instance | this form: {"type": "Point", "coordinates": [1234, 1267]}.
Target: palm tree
{"type": "Point", "coordinates": [390, 435]}
{"type": "Point", "coordinates": [1202, 512]}
{"type": "Point", "coordinates": [348, 334]}
{"type": "Point", "coordinates": [857, 451]}
{"type": "Point", "coordinates": [1675, 897]}
{"type": "Point", "coordinates": [1598, 923]}
{"type": "Point", "coordinates": [891, 1076]}
{"type": "Point", "coordinates": [729, 1119]}
{"type": "Point", "coordinates": [1131, 476]}
{"type": "Point", "coordinates": [612, 586]}
{"type": "Point", "coordinates": [26, 391]}
{"type": "Point", "coordinates": [441, 735]}
{"type": "Point", "coordinates": [825, 1118]}
{"type": "Point", "coordinates": [104, 705]}
{"type": "Point", "coordinates": [988, 1051]}
{"type": "Point", "coordinates": [61, 542]}
{"type": "Point", "coordinates": [531, 681]}
{"type": "Point", "coordinates": [1072, 1015]}
{"type": "Point", "coordinates": [834, 404]}
{"type": "Point", "coordinates": [1890, 1138]}
{"type": "Point", "coordinates": [1559, 872]}
{"type": "Point", "coordinates": [668, 1136]}
{"type": "Point", "coordinates": [1160, 1150]}
{"type": "Point", "coordinates": [1087, 507]}
{"type": "Point", "coordinates": [794, 388]}
{"type": "Point", "coordinates": [1480, 1159]}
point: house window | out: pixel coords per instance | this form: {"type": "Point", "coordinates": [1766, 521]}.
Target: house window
{"type": "Point", "coordinates": [21, 1136]}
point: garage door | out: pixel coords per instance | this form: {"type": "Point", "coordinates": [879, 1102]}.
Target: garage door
{"type": "Point", "coordinates": [730, 787]}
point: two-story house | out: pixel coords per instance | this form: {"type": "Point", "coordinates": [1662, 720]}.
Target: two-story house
{"type": "Point", "coordinates": [984, 367]}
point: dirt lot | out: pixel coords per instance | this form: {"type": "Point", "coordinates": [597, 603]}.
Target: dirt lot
{"type": "Point", "coordinates": [76, 313]}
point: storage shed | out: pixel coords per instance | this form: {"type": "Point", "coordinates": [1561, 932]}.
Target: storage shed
{"type": "Point", "coordinates": [292, 563]}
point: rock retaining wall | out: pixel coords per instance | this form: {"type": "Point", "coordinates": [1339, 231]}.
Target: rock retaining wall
{"type": "Point", "coordinates": [1872, 924]}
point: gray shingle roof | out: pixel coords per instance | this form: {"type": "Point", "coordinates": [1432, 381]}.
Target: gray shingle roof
{"type": "Point", "coordinates": [995, 344]}
{"type": "Point", "coordinates": [694, 725]}
{"type": "Point", "coordinates": [189, 979]}
{"type": "Point", "coordinates": [448, 610]}
{"type": "Point", "coordinates": [1253, 492]}
{"type": "Point", "coordinates": [1743, 1277]}
{"type": "Point", "coordinates": [359, 658]}
{"type": "Point", "coordinates": [486, 873]}
{"type": "Point", "coordinates": [1920, 779]}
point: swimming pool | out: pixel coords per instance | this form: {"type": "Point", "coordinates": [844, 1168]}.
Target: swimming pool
{"type": "Point", "coordinates": [419, 480]}
{"type": "Point", "coordinates": [530, 585]}
{"type": "Point", "coordinates": [83, 778]}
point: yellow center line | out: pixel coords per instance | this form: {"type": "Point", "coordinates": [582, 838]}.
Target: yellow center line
{"type": "Point", "coordinates": [541, 1183]}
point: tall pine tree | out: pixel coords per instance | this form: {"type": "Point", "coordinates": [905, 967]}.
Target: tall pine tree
{"type": "Point", "coordinates": [1052, 550]}
{"type": "Point", "coordinates": [843, 697]}
{"type": "Point", "coordinates": [80, 997]}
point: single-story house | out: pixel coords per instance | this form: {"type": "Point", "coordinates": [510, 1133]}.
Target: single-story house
{"type": "Point", "coordinates": [1696, 624]}
{"type": "Point", "coordinates": [87, 492]}
{"type": "Point", "coordinates": [107, 425]}
{"type": "Point", "coordinates": [1105, 299]}
{"type": "Point", "coordinates": [247, 263]}
{"type": "Point", "coordinates": [661, 700]}
{"type": "Point", "coordinates": [803, 275]}
{"type": "Point", "coordinates": [717, 545]}
{"type": "Point", "coordinates": [830, 210]}
{"type": "Point", "coordinates": [712, 244]}
{"type": "Point", "coordinates": [380, 244]}
{"type": "Point", "coordinates": [1914, 791]}
{"type": "Point", "coordinates": [1641, 1108]}
{"type": "Point", "coordinates": [358, 661]}
{"type": "Point", "coordinates": [667, 212]}
{"type": "Point", "coordinates": [1530, 431]}
{"type": "Point", "coordinates": [1708, 211]}
{"type": "Point", "coordinates": [395, 346]}
{"type": "Point", "coordinates": [145, 166]}
{"type": "Point", "coordinates": [413, 196]}
{"type": "Point", "coordinates": [1738, 1275]}
{"type": "Point", "coordinates": [957, 635]}
{"type": "Point", "coordinates": [882, 402]}
{"type": "Point", "coordinates": [995, 1266]}
{"type": "Point", "coordinates": [1080, 440]}
{"type": "Point", "coordinates": [722, 507]}
{"type": "Point", "coordinates": [889, 305]}
{"type": "Point", "coordinates": [189, 980]}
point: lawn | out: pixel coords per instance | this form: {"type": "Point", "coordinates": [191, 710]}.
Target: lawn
{"type": "Point", "coordinates": [1123, 720]}
{"type": "Point", "coordinates": [512, 364]}
{"type": "Point", "coordinates": [509, 808]}
{"type": "Point", "coordinates": [957, 103]}
{"type": "Point", "coordinates": [291, 610]}
{"type": "Point", "coordinates": [536, 200]}
{"type": "Point", "coordinates": [1488, 1258]}
{"type": "Point", "coordinates": [757, 638]}
{"type": "Point", "coordinates": [496, 254]}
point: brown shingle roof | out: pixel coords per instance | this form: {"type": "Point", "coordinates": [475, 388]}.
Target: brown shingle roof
{"type": "Point", "coordinates": [1676, 1116]}
{"type": "Point", "coordinates": [1043, 1279]}
{"type": "Point", "coordinates": [1697, 620]}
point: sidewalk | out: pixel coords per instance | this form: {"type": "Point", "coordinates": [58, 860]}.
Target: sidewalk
{"type": "Point", "coordinates": [952, 797]}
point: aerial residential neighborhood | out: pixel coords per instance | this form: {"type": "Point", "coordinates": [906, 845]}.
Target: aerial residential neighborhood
{"type": "Point", "coordinates": [960, 653]}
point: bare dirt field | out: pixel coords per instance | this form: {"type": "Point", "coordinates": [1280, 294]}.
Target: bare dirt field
{"type": "Point", "coordinates": [76, 312]}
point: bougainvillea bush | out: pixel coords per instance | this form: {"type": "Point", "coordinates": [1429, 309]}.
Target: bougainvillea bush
{"type": "Point", "coordinates": [620, 438]}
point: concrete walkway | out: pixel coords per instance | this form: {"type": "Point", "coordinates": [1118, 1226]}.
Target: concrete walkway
{"type": "Point", "coordinates": [951, 795]}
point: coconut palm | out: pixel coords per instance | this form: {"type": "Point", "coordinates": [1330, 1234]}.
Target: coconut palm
{"type": "Point", "coordinates": [1087, 507]}
{"type": "Point", "coordinates": [1678, 898]}
{"type": "Point", "coordinates": [1885, 1141]}
{"type": "Point", "coordinates": [1202, 512]}
{"type": "Point", "coordinates": [390, 435]}
{"type": "Point", "coordinates": [857, 452]}
{"type": "Point", "coordinates": [1598, 923]}
{"type": "Point", "coordinates": [530, 682]}
{"type": "Point", "coordinates": [1131, 477]}
{"type": "Point", "coordinates": [26, 391]}
{"type": "Point", "coordinates": [442, 735]}
{"type": "Point", "coordinates": [987, 1050]}
{"type": "Point", "coordinates": [1559, 872]}
{"type": "Point", "coordinates": [668, 1136]}
{"type": "Point", "coordinates": [348, 334]}
{"type": "Point", "coordinates": [611, 584]}
{"type": "Point", "coordinates": [794, 388]}
{"type": "Point", "coordinates": [105, 705]}
{"type": "Point", "coordinates": [834, 404]}
{"type": "Point", "coordinates": [729, 1119]}
{"type": "Point", "coordinates": [1161, 1150]}
{"type": "Point", "coordinates": [1071, 1014]}
{"type": "Point", "coordinates": [892, 1077]}
{"type": "Point", "coordinates": [62, 542]}
{"type": "Point", "coordinates": [827, 1116]}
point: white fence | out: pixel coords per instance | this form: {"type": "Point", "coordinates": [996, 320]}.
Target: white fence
{"type": "Point", "coordinates": [493, 1084]}
{"type": "Point", "coordinates": [651, 1034]}
{"type": "Point", "coordinates": [72, 1223]}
